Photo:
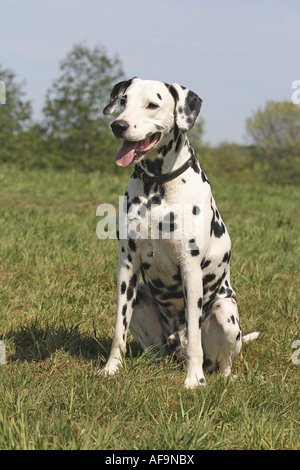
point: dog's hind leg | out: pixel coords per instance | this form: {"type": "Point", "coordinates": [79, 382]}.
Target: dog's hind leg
{"type": "Point", "coordinates": [221, 336]}
{"type": "Point", "coordinates": [146, 326]}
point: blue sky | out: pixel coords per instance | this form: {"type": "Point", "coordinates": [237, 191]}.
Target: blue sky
{"type": "Point", "coordinates": [235, 54]}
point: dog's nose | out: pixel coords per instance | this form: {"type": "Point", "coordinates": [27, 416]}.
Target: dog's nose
{"type": "Point", "coordinates": [119, 127]}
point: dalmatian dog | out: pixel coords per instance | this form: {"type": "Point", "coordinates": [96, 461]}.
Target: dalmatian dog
{"type": "Point", "coordinates": [186, 303]}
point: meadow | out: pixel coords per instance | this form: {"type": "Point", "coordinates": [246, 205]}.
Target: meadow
{"type": "Point", "coordinates": [57, 313]}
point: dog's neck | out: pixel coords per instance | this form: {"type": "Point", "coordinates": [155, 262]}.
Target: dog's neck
{"type": "Point", "coordinates": [167, 157]}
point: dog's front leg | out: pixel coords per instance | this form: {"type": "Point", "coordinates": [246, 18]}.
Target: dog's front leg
{"type": "Point", "coordinates": [193, 293]}
{"type": "Point", "coordinates": [128, 276]}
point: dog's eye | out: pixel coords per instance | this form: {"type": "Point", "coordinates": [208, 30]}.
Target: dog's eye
{"type": "Point", "coordinates": [123, 101]}
{"type": "Point", "coordinates": [152, 106]}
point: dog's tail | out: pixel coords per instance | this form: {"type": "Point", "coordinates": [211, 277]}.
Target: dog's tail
{"type": "Point", "coordinates": [250, 337]}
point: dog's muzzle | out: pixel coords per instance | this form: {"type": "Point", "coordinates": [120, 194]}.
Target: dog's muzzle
{"type": "Point", "coordinates": [132, 151]}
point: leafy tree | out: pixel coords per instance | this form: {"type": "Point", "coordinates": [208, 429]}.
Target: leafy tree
{"type": "Point", "coordinates": [276, 129]}
{"type": "Point", "coordinates": [78, 134]}
{"type": "Point", "coordinates": [15, 116]}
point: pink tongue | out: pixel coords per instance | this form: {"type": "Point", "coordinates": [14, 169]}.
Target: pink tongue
{"type": "Point", "coordinates": [130, 150]}
{"type": "Point", "coordinates": [126, 153]}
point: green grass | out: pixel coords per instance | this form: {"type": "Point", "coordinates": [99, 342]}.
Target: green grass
{"type": "Point", "coordinates": [57, 312]}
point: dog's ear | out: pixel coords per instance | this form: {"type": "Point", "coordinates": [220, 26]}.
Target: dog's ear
{"type": "Point", "coordinates": [187, 106]}
{"type": "Point", "coordinates": [116, 93]}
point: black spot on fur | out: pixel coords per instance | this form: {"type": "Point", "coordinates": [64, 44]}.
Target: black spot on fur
{"type": "Point", "coordinates": [147, 187]}
{"type": "Point", "coordinates": [130, 289]}
{"type": "Point", "coordinates": [193, 247]}
{"type": "Point", "coordinates": [230, 293]}
{"type": "Point", "coordinates": [196, 210]}
{"type": "Point", "coordinates": [173, 92]}
{"type": "Point", "coordinates": [136, 200]}
{"type": "Point", "coordinates": [195, 167]}
{"type": "Point", "coordinates": [205, 263]}
{"type": "Point", "coordinates": [133, 280]}
{"type": "Point", "coordinates": [154, 291]}
{"type": "Point", "coordinates": [217, 228]}
{"type": "Point", "coordinates": [154, 166]}
{"type": "Point", "coordinates": [164, 149]}
{"type": "Point", "coordinates": [208, 278]}
{"type": "Point", "coordinates": [176, 132]}
{"type": "Point", "coordinates": [129, 293]}
{"type": "Point", "coordinates": [146, 265]}
{"type": "Point", "coordinates": [226, 257]}
{"type": "Point", "coordinates": [132, 244]}
{"type": "Point", "coordinates": [216, 285]}
{"type": "Point", "coordinates": [177, 276]}
{"type": "Point", "coordinates": [123, 287]}
{"type": "Point", "coordinates": [178, 143]}
{"type": "Point", "coordinates": [191, 103]}
{"type": "Point", "coordinates": [171, 295]}
{"type": "Point", "coordinates": [158, 283]}
{"type": "Point", "coordinates": [204, 178]}
{"type": "Point", "coordinates": [173, 287]}
{"type": "Point", "coordinates": [154, 200]}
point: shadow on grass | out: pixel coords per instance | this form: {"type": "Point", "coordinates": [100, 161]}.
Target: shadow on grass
{"type": "Point", "coordinates": [36, 342]}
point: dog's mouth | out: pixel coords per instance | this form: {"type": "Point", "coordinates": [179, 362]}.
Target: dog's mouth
{"type": "Point", "coordinates": [132, 152]}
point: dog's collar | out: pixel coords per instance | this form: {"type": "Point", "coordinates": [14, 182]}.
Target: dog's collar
{"type": "Point", "coordinates": [167, 176]}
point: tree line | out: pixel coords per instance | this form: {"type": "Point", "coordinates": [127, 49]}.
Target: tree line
{"type": "Point", "coordinates": [73, 133]}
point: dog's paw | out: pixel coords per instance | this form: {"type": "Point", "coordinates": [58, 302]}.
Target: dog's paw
{"type": "Point", "coordinates": [109, 369]}
{"type": "Point", "coordinates": [177, 343]}
{"type": "Point", "coordinates": [193, 381]}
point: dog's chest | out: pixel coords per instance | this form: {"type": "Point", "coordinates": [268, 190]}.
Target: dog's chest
{"type": "Point", "coordinates": [161, 217]}
{"type": "Point", "coordinates": [155, 221]}
{"type": "Point", "coordinates": [164, 221]}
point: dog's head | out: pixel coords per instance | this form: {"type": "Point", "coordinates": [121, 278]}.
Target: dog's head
{"type": "Point", "coordinates": [150, 110]}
